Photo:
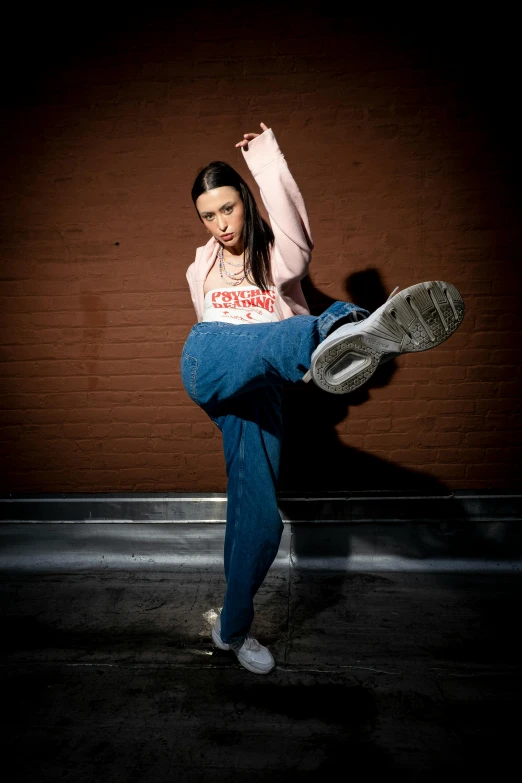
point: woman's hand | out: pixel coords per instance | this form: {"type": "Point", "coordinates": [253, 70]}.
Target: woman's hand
{"type": "Point", "coordinates": [249, 136]}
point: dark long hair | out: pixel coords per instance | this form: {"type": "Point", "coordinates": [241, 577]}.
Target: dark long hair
{"type": "Point", "coordinates": [258, 236]}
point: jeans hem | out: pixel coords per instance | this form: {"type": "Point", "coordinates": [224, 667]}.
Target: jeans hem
{"type": "Point", "coordinates": [235, 643]}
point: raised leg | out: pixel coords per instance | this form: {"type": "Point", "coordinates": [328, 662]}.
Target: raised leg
{"type": "Point", "coordinates": [221, 361]}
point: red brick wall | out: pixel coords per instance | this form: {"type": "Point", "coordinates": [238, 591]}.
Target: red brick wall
{"type": "Point", "coordinates": [401, 138]}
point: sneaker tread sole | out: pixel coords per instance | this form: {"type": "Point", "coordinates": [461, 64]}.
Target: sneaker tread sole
{"type": "Point", "coordinates": [362, 352]}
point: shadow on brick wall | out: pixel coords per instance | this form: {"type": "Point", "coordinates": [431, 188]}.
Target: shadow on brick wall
{"type": "Point", "coordinates": [314, 457]}
{"type": "Point", "coordinates": [437, 540]}
{"type": "Point", "coordinates": [316, 462]}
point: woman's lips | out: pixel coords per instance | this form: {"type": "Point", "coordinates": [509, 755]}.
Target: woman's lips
{"type": "Point", "coordinates": [226, 237]}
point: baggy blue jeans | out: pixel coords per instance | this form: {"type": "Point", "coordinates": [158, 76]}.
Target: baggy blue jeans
{"type": "Point", "coordinates": [235, 372]}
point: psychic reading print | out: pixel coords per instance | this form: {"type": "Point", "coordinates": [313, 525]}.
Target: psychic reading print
{"type": "Point", "coordinates": [240, 305]}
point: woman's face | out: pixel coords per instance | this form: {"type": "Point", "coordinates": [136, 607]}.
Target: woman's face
{"type": "Point", "coordinates": [222, 213]}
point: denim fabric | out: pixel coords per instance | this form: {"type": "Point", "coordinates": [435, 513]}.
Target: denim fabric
{"type": "Point", "coordinates": [234, 372]}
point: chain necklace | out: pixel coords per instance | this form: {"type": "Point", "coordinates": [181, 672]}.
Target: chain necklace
{"type": "Point", "coordinates": [231, 278]}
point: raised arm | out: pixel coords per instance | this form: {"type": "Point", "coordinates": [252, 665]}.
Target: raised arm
{"type": "Point", "coordinates": [284, 204]}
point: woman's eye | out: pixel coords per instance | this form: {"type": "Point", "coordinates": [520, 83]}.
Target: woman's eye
{"type": "Point", "coordinates": [227, 210]}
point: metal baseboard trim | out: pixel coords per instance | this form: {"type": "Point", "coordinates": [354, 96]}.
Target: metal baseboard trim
{"type": "Point", "coordinates": [210, 508]}
{"type": "Point", "coordinates": [423, 547]}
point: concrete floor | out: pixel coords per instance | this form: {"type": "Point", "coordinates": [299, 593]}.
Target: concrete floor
{"type": "Point", "coordinates": [112, 677]}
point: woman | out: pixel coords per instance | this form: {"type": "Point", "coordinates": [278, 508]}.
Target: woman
{"type": "Point", "coordinates": [245, 287]}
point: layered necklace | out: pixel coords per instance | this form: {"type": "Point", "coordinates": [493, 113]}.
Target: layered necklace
{"type": "Point", "coordinates": [232, 278]}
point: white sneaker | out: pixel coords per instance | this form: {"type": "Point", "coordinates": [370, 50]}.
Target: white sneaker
{"type": "Point", "coordinates": [416, 319]}
{"type": "Point", "coordinates": [216, 635]}
{"type": "Point", "coordinates": [252, 655]}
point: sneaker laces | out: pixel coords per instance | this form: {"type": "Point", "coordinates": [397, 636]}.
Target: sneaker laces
{"type": "Point", "coordinates": [251, 644]}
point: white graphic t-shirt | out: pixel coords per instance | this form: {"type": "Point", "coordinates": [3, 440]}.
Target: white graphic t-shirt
{"type": "Point", "coordinates": [240, 305]}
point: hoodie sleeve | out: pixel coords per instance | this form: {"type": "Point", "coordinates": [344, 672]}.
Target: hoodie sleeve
{"type": "Point", "coordinates": [192, 287]}
{"type": "Point", "coordinates": [285, 206]}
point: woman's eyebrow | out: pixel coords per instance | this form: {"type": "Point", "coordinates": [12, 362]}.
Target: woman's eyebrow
{"type": "Point", "coordinates": [209, 212]}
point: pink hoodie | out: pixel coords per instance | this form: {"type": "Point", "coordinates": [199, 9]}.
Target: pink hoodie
{"type": "Point", "coordinates": [293, 243]}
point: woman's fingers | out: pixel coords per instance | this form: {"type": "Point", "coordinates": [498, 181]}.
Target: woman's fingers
{"type": "Point", "coordinates": [249, 136]}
